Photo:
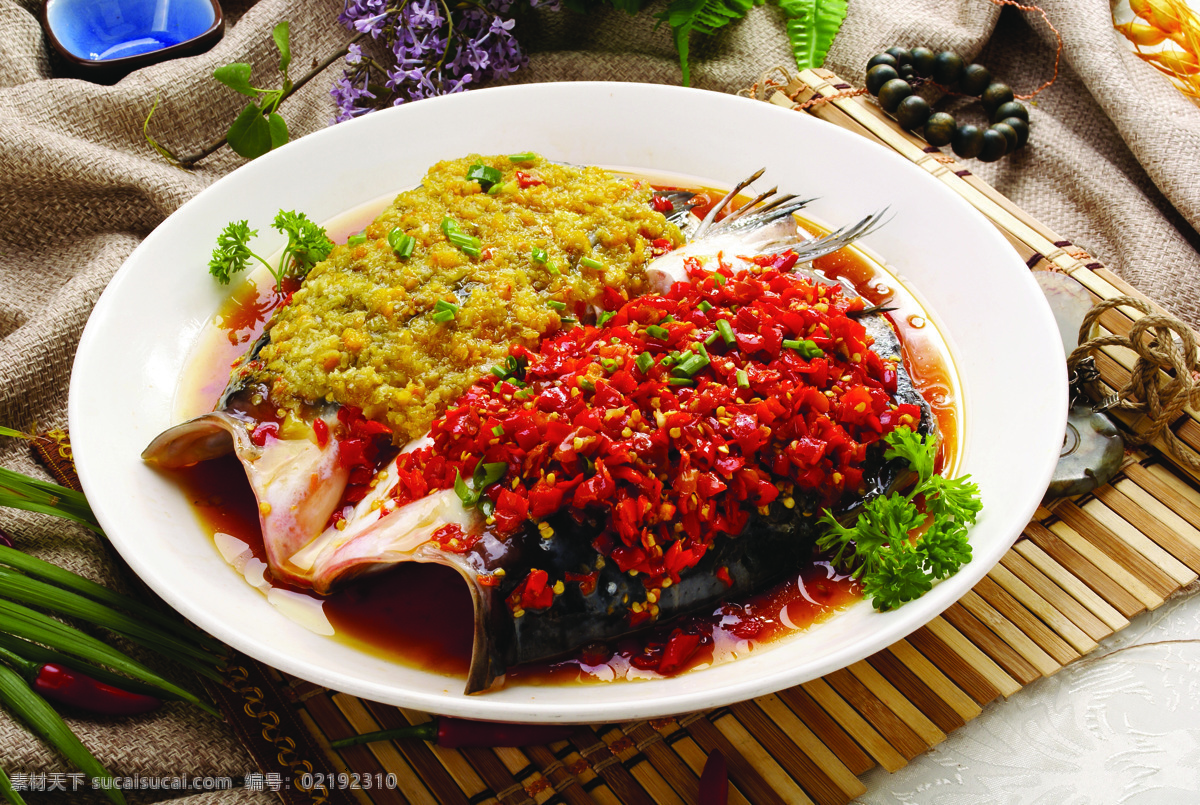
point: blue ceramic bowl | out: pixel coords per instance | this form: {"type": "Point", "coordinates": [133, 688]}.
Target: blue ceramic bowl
{"type": "Point", "coordinates": [105, 39]}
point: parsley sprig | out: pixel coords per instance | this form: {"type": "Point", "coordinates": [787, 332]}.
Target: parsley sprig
{"type": "Point", "coordinates": [878, 550]}
{"type": "Point", "coordinates": [307, 245]}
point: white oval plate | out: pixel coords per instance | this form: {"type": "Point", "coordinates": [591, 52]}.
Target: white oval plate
{"type": "Point", "coordinates": [135, 346]}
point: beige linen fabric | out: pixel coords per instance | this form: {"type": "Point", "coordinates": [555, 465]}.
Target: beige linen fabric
{"type": "Point", "coordinates": [1113, 164]}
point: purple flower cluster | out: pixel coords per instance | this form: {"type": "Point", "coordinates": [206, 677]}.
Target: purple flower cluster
{"type": "Point", "coordinates": [431, 50]}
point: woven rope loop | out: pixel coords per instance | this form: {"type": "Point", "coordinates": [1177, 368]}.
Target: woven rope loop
{"type": "Point", "coordinates": [1165, 378]}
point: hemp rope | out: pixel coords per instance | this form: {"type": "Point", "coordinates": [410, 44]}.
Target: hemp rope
{"type": "Point", "coordinates": [1163, 344]}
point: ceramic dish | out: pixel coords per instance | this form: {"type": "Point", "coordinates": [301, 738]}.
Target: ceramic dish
{"type": "Point", "coordinates": [104, 41]}
{"type": "Point", "coordinates": [130, 360]}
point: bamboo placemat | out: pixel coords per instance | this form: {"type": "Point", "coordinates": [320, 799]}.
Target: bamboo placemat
{"type": "Point", "coordinates": [1076, 575]}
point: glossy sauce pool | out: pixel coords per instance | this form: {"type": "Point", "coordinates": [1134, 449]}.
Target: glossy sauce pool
{"type": "Point", "coordinates": [376, 613]}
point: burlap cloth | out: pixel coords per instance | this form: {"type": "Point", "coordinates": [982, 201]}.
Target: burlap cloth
{"type": "Point", "coordinates": [1113, 164]}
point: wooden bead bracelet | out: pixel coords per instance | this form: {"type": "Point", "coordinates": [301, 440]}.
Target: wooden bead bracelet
{"type": "Point", "coordinates": [890, 77]}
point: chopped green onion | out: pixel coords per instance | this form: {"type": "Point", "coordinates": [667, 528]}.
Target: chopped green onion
{"type": "Point", "coordinates": [808, 349]}
{"type": "Point", "coordinates": [668, 361]}
{"type": "Point", "coordinates": [469, 244]}
{"type": "Point", "coordinates": [704, 306]}
{"type": "Point", "coordinates": [557, 305]}
{"type": "Point", "coordinates": [484, 174]}
{"type": "Point", "coordinates": [700, 348]}
{"type": "Point", "coordinates": [489, 474]}
{"type": "Point", "coordinates": [726, 331]}
{"type": "Point", "coordinates": [667, 318]}
{"type": "Point", "coordinates": [526, 157]}
{"type": "Point", "coordinates": [680, 357]}
{"type": "Point", "coordinates": [586, 384]}
{"type": "Point", "coordinates": [354, 240]}
{"type": "Point", "coordinates": [442, 304]}
{"type": "Point", "coordinates": [644, 362]}
{"type": "Point", "coordinates": [691, 366]}
{"type": "Point", "coordinates": [498, 430]}
{"type": "Point", "coordinates": [604, 316]}
{"type": "Point", "coordinates": [661, 333]}
{"type": "Point", "coordinates": [524, 394]}
{"type": "Point", "coordinates": [712, 338]}
{"type": "Point", "coordinates": [401, 242]}
{"type": "Point", "coordinates": [592, 263]}
{"type": "Point", "coordinates": [443, 316]}
{"type": "Point", "coordinates": [497, 189]}
{"type": "Point", "coordinates": [743, 379]}
{"type": "Point", "coordinates": [538, 255]}
{"type": "Point", "coordinates": [679, 381]}
{"type": "Point", "coordinates": [450, 225]}
{"type": "Point", "coordinates": [517, 382]}
{"type": "Point", "coordinates": [718, 278]}
{"type": "Point", "coordinates": [553, 269]}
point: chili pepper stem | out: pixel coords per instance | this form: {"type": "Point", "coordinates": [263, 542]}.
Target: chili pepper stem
{"type": "Point", "coordinates": [425, 732]}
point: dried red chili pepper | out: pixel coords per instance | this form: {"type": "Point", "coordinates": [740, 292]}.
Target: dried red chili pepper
{"type": "Point", "coordinates": [61, 684]}
{"type": "Point", "coordinates": [456, 733]}
{"type": "Point", "coordinates": [714, 780]}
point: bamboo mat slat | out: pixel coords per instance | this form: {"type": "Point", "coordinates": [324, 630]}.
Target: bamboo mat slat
{"type": "Point", "coordinates": [1078, 573]}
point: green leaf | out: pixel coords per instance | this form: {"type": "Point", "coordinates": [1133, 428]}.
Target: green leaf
{"type": "Point", "coordinates": [278, 128]}
{"type": "Point", "coordinates": [703, 16]}
{"type": "Point", "coordinates": [236, 76]}
{"type": "Point", "coordinates": [42, 656]}
{"type": "Point", "coordinates": [307, 245]}
{"type": "Point", "coordinates": [31, 625]}
{"type": "Point", "coordinates": [32, 566]}
{"type": "Point", "coordinates": [250, 134]}
{"type": "Point", "coordinates": [18, 491]}
{"type": "Point", "coordinates": [811, 26]}
{"type": "Point", "coordinates": [8, 792]}
{"type": "Point", "coordinates": [920, 453]}
{"type": "Point", "coordinates": [232, 251]}
{"type": "Point", "coordinates": [32, 592]}
{"type": "Point", "coordinates": [280, 34]}
{"type": "Point", "coordinates": [39, 716]}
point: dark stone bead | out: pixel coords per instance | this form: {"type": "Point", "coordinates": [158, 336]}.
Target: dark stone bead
{"type": "Point", "coordinates": [907, 72]}
{"type": "Point", "coordinates": [901, 55]}
{"type": "Point", "coordinates": [879, 75]}
{"type": "Point", "coordinates": [892, 93]}
{"type": "Point", "coordinates": [995, 145]}
{"type": "Point", "coordinates": [882, 58]}
{"type": "Point", "coordinates": [912, 112]}
{"type": "Point", "coordinates": [947, 68]}
{"type": "Point", "coordinates": [922, 61]}
{"type": "Point", "coordinates": [967, 141]}
{"type": "Point", "coordinates": [1020, 127]}
{"type": "Point", "coordinates": [1010, 136]}
{"type": "Point", "coordinates": [1010, 109]}
{"type": "Point", "coordinates": [995, 96]}
{"type": "Point", "coordinates": [975, 79]}
{"type": "Point", "coordinates": [939, 129]}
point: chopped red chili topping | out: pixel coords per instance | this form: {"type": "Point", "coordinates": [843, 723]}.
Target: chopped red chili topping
{"type": "Point", "coordinates": [676, 419]}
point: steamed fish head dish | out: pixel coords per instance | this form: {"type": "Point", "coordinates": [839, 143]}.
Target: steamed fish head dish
{"type": "Point", "coordinates": [605, 413]}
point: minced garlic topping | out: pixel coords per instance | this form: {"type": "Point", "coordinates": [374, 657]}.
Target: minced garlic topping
{"type": "Point", "coordinates": [364, 328]}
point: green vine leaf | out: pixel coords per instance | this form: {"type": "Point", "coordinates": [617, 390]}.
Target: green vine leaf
{"type": "Point", "coordinates": [236, 76]}
{"type": "Point", "coordinates": [250, 134]}
{"type": "Point", "coordinates": [278, 129]}
{"type": "Point", "coordinates": [280, 33]}
{"type": "Point", "coordinates": [811, 26]}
